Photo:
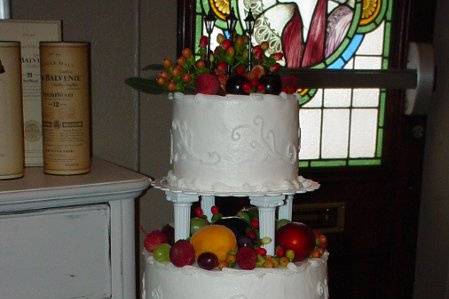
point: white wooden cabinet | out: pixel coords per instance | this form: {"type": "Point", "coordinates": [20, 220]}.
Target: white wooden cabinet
{"type": "Point", "coordinates": [69, 237]}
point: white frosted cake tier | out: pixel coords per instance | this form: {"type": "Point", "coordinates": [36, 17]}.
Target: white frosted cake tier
{"type": "Point", "coordinates": [304, 280]}
{"type": "Point", "coordinates": [234, 143]}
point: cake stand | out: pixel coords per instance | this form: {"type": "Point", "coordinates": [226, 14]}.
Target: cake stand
{"type": "Point", "coordinates": [267, 204]}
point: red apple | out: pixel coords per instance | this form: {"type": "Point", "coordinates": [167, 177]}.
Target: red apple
{"type": "Point", "coordinates": [297, 237]}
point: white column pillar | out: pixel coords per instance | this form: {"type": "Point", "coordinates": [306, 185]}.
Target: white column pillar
{"type": "Point", "coordinates": [207, 202]}
{"type": "Point", "coordinates": [285, 211]}
{"type": "Point", "coordinates": [181, 205]}
{"type": "Point", "coordinates": [267, 217]}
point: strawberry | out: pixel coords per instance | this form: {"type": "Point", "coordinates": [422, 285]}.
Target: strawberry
{"type": "Point", "coordinates": [207, 84]}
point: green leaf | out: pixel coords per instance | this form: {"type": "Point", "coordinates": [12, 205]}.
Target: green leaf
{"type": "Point", "coordinates": [145, 85]}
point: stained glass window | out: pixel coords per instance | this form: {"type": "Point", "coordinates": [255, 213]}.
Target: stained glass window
{"type": "Point", "coordinates": [339, 127]}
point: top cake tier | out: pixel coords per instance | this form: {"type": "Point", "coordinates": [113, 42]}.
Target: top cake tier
{"type": "Point", "coordinates": [234, 143]}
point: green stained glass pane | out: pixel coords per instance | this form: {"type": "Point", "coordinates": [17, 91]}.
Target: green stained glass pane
{"type": "Point", "coordinates": [303, 164]}
{"type": "Point", "coordinates": [365, 162]}
{"type": "Point", "coordinates": [387, 34]}
{"type": "Point", "coordinates": [380, 138]}
{"type": "Point", "coordinates": [382, 103]}
{"type": "Point", "coordinates": [390, 11]}
{"type": "Point", "coordinates": [328, 163]}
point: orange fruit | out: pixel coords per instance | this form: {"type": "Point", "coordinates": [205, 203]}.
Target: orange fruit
{"type": "Point", "coordinates": [217, 239]}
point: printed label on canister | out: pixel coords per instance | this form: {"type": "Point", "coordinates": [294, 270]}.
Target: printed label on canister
{"type": "Point", "coordinates": [65, 107]}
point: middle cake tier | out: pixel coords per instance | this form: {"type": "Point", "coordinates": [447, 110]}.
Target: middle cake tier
{"type": "Point", "coordinates": [234, 143]}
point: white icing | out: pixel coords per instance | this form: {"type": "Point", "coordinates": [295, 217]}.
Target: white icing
{"type": "Point", "coordinates": [234, 143]}
{"type": "Point", "coordinates": [305, 280]}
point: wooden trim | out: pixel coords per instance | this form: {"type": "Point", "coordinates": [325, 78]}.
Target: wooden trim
{"type": "Point", "coordinates": [390, 79]}
{"type": "Point", "coordinates": [185, 26]}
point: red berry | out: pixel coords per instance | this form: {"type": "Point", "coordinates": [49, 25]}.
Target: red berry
{"type": "Point", "coordinates": [204, 41]}
{"type": "Point", "coordinates": [230, 51]}
{"type": "Point", "coordinates": [322, 241]}
{"type": "Point", "coordinates": [255, 223]}
{"type": "Point", "coordinates": [222, 68]}
{"type": "Point", "coordinates": [277, 56]}
{"type": "Point", "coordinates": [240, 70]}
{"type": "Point", "coordinates": [154, 239]}
{"type": "Point", "coordinates": [251, 234]}
{"type": "Point", "coordinates": [163, 74]}
{"type": "Point", "coordinates": [161, 81]}
{"type": "Point", "coordinates": [200, 64]}
{"type": "Point", "coordinates": [246, 258]}
{"type": "Point", "coordinates": [198, 212]}
{"type": "Point", "coordinates": [186, 78]}
{"type": "Point", "coordinates": [261, 88]}
{"type": "Point", "coordinates": [181, 61]}
{"type": "Point", "coordinates": [261, 251]}
{"type": "Point", "coordinates": [254, 82]}
{"type": "Point", "coordinates": [214, 210]}
{"type": "Point", "coordinates": [257, 49]}
{"type": "Point", "coordinates": [280, 251]}
{"type": "Point", "coordinates": [177, 71]}
{"type": "Point", "coordinates": [275, 68]}
{"type": "Point", "coordinates": [187, 53]}
{"type": "Point", "coordinates": [226, 44]}
{"type": "Point", "coordinates": [167, 63]}
{"type": "Point", "coordinates": [172, 86]}
{"type": "Point", "coordinates": [247, 87]}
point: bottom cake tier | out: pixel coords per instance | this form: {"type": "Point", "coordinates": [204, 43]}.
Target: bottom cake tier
{"type": "Point", "coordinates": [303, 280]}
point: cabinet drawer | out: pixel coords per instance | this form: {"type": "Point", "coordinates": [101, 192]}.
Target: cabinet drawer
{"type": "Point", "coordinates": [61, 253]}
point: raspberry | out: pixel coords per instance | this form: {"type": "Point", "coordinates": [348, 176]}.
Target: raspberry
{"type": "Point", "coordinates": [246, 258]}
{"type": "Point", "coordinates": [154, 239]}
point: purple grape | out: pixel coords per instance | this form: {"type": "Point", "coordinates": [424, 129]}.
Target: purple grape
{"type": "Point", "coordinates": [244, 242]}
{"type": "Point", "coordinates": [272, 83]}
{"type": "Point", "coordinates": [207, 260]}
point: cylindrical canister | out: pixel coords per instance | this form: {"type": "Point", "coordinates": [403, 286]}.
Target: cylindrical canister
{"type": "Point", "coordinates": [65, 107]}
{"type": "Point", "coordinates": [11, 114]}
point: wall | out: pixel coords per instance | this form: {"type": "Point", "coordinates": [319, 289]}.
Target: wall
{"type": "Point", "coordinates": [432, 262]}
{"type": "Point", "coordinates": [127, 129]}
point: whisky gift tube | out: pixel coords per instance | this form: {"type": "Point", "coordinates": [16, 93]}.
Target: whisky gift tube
{"type": "Point", "coordinates": [65, 107]}
{"type": "Point", "coordinates": [11, 115]}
